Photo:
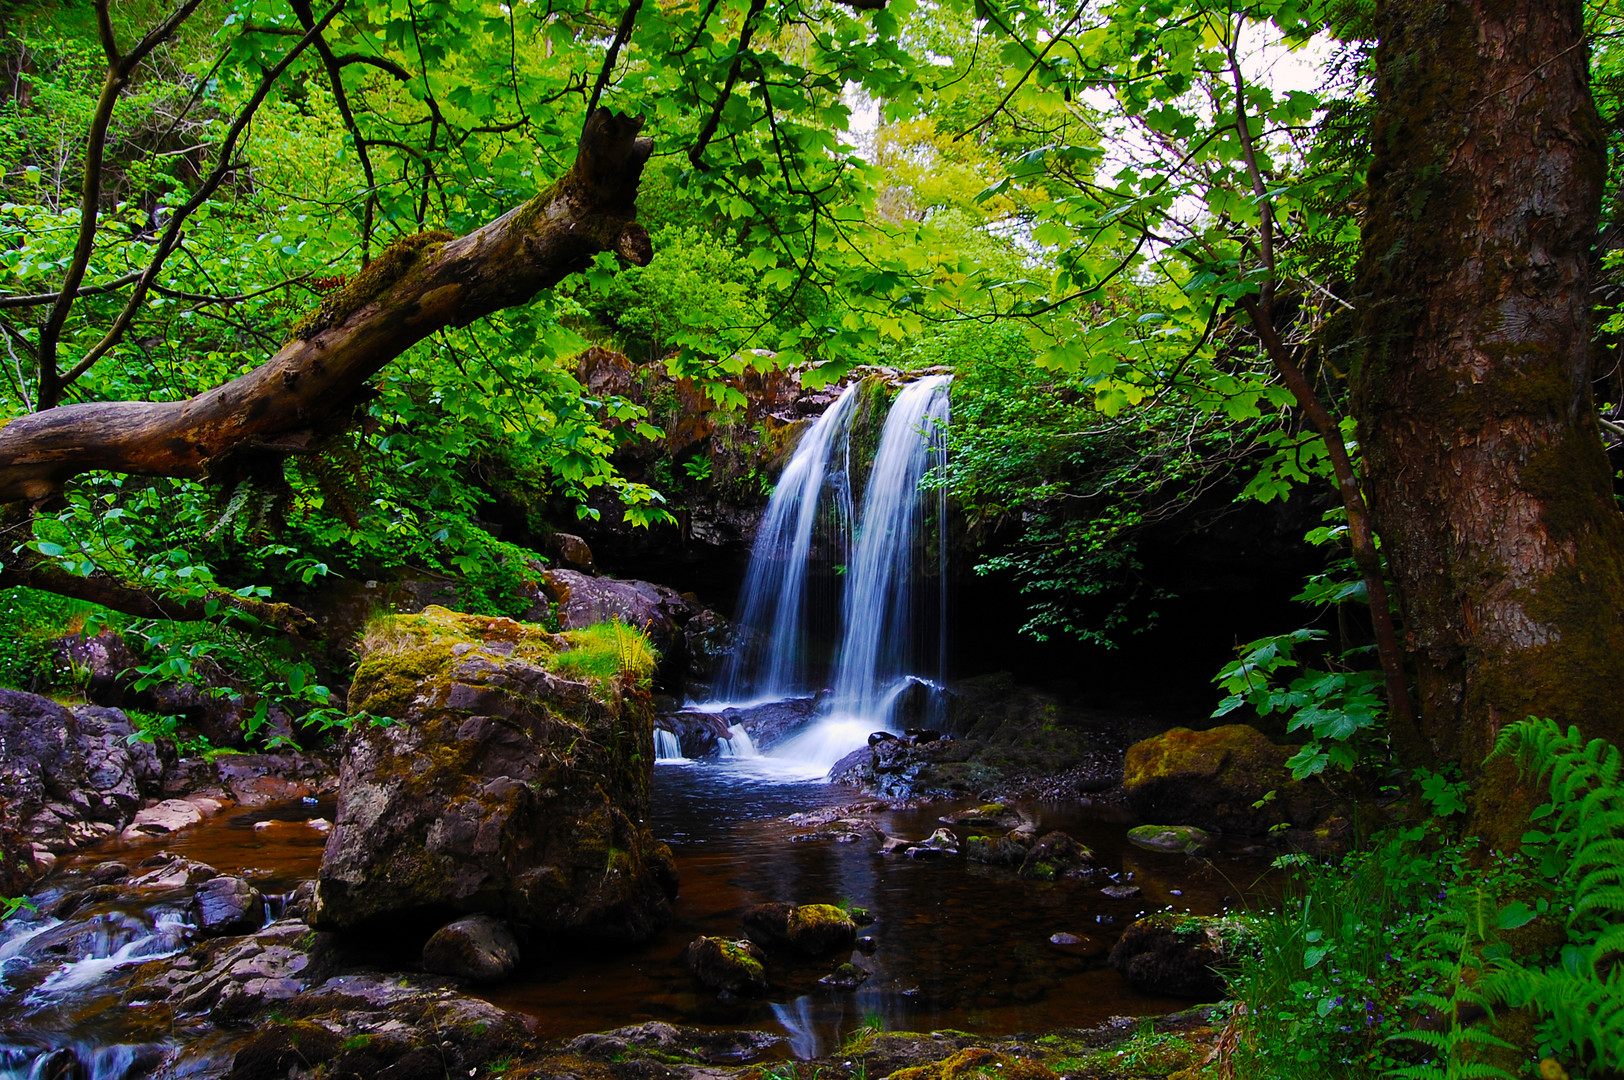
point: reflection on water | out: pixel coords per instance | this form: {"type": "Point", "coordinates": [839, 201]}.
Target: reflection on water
{"type": "Point", "coordinates": [959, 945]}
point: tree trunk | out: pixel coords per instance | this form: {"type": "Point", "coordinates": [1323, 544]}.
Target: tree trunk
{"type": "Point", "coordinates": [1487, 479]}
{"type": "Point", "coordinates": [418, 286]}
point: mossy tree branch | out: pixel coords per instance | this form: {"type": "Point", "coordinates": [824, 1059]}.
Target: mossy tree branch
{"type": "Point", "coordinates": [428, 283]}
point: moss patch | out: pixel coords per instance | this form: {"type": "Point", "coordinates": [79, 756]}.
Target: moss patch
{"type": "Point", "coordinates": [381, 275]}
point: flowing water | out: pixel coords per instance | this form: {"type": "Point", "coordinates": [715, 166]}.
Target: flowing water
{"type": "Point", "coordinates": [892, 638]}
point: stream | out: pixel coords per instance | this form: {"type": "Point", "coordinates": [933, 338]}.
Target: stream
{"type": "Point", "coordinates": [957, 944]}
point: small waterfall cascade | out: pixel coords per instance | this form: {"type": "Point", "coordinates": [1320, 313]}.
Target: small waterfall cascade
{"type": "Point", "coordinates": [667, 747]}
{"type": "Point", "coordinates": [879, 650]}
{"type": "Point", "coordinates": [770, 663]}
{"type": "Point", "coordinates": [893, 632]}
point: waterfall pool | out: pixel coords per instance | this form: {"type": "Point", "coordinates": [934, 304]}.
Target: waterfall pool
{"type": "Point", "coordinates": [957, 944]}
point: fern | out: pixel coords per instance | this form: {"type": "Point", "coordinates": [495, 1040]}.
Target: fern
{"type": "Point", "coordinates": [1449, 955]}
{"type": "Point", "coordinates": [1582, 995]}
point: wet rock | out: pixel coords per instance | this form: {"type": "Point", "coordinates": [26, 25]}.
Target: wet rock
{"type": "Point", "coordinates": [772, 722]}
{"type": "Point", "coordinates": [899, 769]}
{"type": "Point", "coordinates": [281, 1049]}
{"type": "Point", "coordinates": [166, 870]}
{"type": "Point", "coordinates": [161, 819]}
{"type": "Point", "coordinates": [105, 873]}
{"type": "Point", "coordinates": [990, 816]}
{"type": "Point", "coordinates": [813, 929]}
{"type": "Point", "coordinates": [230, 978]}
{"type": "Point", "coordinates": [1056, 856]}
{"type": "Point", "coordinates": [1181, 955]}
{"type": "Point", "coordinates": [228, 905]}
{"type": "Point", "coordinates": [1084, 945]}
{"type": "Point", "coordinates": [846, 977]}
{"type": "Point", "coordinates": [478, 948]}
{"type": "Point", "coordinates": [1182, 839]}
{"type": "Point", "coordinates": [1122, 892]}
{"type": "Point", "coordinates": [1007, 850]}
{"type": "Point", "coordinates": [732, 967]}
{"type": "Point", "coordinates": [840, 824]}
{"type": "Point", "coordinates": [867, 945]}
{"type": "Point", "coordinates": [977, 1061]}
{"type": "Point", "coordinates": [699, 734]}
{"type": "Point", "coordinates": [940, 843]}
{"type": "Point", "coordinates": [66, 779]}
{"type": "Point", "coordinates": [669, 1041]}
{"type": "Point", "coordinates": [504, 788]}
{"type": "Point", "coordinates": [1219, 779]}
{"type": "Point", "coordinates": [894, 845]}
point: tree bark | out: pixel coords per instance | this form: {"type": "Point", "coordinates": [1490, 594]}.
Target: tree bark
{"type": "Point", "coordinates": [421, 285]}
{"type": "Point", "coordinates": [1487, 479]}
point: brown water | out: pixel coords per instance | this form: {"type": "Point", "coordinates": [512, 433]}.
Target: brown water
{"type": "Point", "coordinates": [958, 944]}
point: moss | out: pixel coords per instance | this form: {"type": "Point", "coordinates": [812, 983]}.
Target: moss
{"type": "Point", "coordinates": [977, 1063]}
{"type": "Point", "coordinates": [382, 274]}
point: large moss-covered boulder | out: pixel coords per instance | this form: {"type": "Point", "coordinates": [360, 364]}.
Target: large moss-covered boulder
{"type": "Point", "coordinates": [496, 768]}
{"type": "Point", "coordinates": [1219, 779]}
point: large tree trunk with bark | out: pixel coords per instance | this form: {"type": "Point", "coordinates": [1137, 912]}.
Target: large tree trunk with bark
{"type": "Point", "coordinates": [1487, 479]}
{"type": "Point", "coordinates": [317, 380]}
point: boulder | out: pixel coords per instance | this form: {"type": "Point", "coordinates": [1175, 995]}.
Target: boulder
{"type": "Point", "coordinates": [478, 948]}
{"type": "Point", "coordinates": [1056, 856]}
{"type": "Point", "coordinates": [230, 978]}
{"type": "Point", "coordinates": [662, 613]}
{"type": "Point", "coordinates": [847, 977]}
{"type": "Point", "coordinates": [228, 905]}
{"type": "Point", "coordinates": [813, 929]}
{"type": "Point", "coordinates": [572, 551]}
{"type": "Point", "coordinates": [731, 967]}
{"type": "Point", "coordinates": [1219, 779]}
{"type": "Point", "coordinates": [499, 787]}
{"type": "Point", "coordinates": [66, 779]}
{"type": "Point", "coordinates": [1181, 955]}
{"type": "Point", "coordinates": [1181, 839]}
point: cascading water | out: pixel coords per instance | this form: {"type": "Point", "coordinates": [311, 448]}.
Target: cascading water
{"type": "Point", "coordinates": [879, 652]}
{"type": "Point", "coordinates": [770, 663]}
{"type": "Point", "coordinates": [887, 640]}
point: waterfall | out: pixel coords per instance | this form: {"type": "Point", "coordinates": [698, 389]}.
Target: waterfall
{"type": "Point", "coordinates": [880, 610]}
{"type": "Point", "coordinates": [888, 642]}
{"type": "Point", "coordinates": [667, 747]}
{"type": "Point", "coordinates": [770, 662]}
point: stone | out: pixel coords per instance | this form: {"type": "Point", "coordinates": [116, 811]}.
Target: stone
{"type": "Point", "coordinates": [478, 948]}
{"type": "Point", "coordinates": [813, 929]}
{"type": "Point", "coordinates": [1181, 955]}
{"type": "Point", "coordinates": [671, 1042]}
{"type": "Point", "coordinates": [731, 967]}
{"type": "Point", "coordinates": [846, 977]}
{"type": "Point", "coordinates": [257, 791]}
{"type": "Point", "coordinates": [583, 600]}
{"type": "Point", "coordinates": [937, 844]}
{"type": "Point", "coordinates": [992, 816]}
{"type": "Point", "coordinates": [233, 977]}
{"type": "Point", "coordinates": [1007, 850]}
{"type": "Point", "coordinates": [228, 905]}
{"type": "Point", "coordinates": [1122, 892]}
{"type": "Point", "coordinates": [572, 551]}
{"type": "Point", "coordinates": [501, 788]}
{"type": "Point", "coordinates": [1180, 839]}
{"type": "Point", "coordinates": [1218, 779]}
{"type": "Point", "coordinates": [66, 779]}
{"type": "Point", "coordinates": [161, 819]}
{"type": "Point", "coordinates": [1056, 857]}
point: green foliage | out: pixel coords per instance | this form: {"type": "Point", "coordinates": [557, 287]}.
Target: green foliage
{"type": "Point", "coordinates": [1578, 845]}
{"type": "Point", "coordinates": [1338, 709]}
{"type": "Point", "coordinates": [606, 651]}
{"type": "Point", "coordinates": [31, 622]}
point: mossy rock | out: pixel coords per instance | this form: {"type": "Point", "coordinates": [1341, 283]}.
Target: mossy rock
{"type": "Point", "coordinates": [1178, 839]}
{"type": "Point", "coordinates": [813, 929]}
{"type": "Point", "coordinates": [1219, 779]}
{"type": "Point", "coordinates": [500, 787]}
{"type": "Point", "coordinates": [732, 967]}
{"type": "Point", "coordinates": [1185, 956]}
{"type": "Point", "coordinates": [977, 1063]}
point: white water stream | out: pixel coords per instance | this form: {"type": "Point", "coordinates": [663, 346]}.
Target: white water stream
{"type": "Point", "coordinates": [888, 645]}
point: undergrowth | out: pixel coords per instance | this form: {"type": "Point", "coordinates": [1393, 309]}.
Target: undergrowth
{"type": "Point", "coordinates": [1426, 958]}
{"type": "Point", "coordinates": [608, 649]}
